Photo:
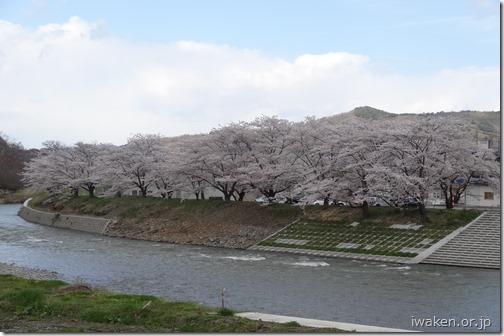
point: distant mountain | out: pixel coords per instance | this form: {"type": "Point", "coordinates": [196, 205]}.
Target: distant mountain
{"type": "Point", "coordinates": [485, 125]}
{"type": "Point", "coordinates": [371, 113]}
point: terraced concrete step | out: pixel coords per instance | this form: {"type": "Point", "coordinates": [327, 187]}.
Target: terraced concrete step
{"type": "Point", "coordinates": [478, 245]}
{"type": "Point", "coordinates": [483, 254]}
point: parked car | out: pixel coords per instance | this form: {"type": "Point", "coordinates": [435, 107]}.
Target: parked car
{"type": "Point", "coordinates": [410, 202]}
{"type": "Point", "coordinates": [356, 201]}
{"type": "Point", "coordinates": [377, 201]}
{"type": "Point", "coordinates": [280, 199]}
{"type": "Point", "coordinates": [276, 199]}
{"type": "Point", "coordinates": [333, 202]}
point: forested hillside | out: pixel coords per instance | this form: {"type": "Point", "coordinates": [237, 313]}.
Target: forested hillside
{"type": "Point", "coordinates": [13, 157]}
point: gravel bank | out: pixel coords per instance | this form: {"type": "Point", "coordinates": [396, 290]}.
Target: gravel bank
{"type": "Point", "coordinates": [29, 273]}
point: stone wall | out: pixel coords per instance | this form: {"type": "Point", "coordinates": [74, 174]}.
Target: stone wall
{"type": "Point", "coordinates": [80, 223]}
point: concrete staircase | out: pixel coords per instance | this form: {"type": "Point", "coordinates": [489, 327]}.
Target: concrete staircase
{"type": "Point", "coordinates": [478, 245]}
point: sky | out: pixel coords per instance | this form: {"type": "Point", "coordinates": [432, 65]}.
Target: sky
{"type": "Point", "coordinates": [102, 71]}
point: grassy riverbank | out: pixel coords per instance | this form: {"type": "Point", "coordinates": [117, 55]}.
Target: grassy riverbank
{"type": "Point", "coordinates": [200, 222]}
{"type": "Point", "coordinates": [387, 232]}
{"type": "Point", "coordinates": [244, 224]}
{"type": "Point", "coordinates": [29, 306]}
{"type": "Point", "coordinates": [17, 197]}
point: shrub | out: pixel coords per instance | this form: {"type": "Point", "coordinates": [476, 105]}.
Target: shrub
{"type": "Point", "coordinates": [225, 312]}
{"type": "Point", "coordinates": [29, 300]}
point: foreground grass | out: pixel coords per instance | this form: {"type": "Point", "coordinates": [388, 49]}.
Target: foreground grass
{"type": "Point", "coordinates": [55, 306]}
{"type": "Point", "coordinates": [344, 230]}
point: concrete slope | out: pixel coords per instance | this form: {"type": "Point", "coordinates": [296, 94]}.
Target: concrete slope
{"type": "Point", "coordinates": [319, 323]}
{"type": "Point", "coordinates": [478, 245]}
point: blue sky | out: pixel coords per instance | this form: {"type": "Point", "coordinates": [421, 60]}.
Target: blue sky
{"type": "Point", "coordinates": [406, 35]}
{"type": "Point", "coordinates": [376, 48]}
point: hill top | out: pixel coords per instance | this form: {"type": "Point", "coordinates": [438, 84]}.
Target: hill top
{"type": "Point", "coordinates": [485, 124]}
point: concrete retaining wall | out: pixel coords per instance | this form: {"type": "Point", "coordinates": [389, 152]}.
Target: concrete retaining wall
{"type": "Point", "coordinates": [80, 223]}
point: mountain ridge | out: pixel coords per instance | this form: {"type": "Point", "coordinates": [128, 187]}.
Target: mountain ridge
{"type": "Point", "coordinates": [484, 124]}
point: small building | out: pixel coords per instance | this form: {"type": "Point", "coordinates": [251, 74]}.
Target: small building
{"type": "Point", "coordinates": [480, 195]}
{"type": "Point", "coordinates": [476, 194]}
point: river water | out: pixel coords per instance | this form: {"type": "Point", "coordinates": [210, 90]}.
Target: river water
{"type": "Point", "coordinates": [371, 293]}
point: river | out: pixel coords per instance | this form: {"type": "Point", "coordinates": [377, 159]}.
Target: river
{"type": "Point", "coordinates": [371, 293]}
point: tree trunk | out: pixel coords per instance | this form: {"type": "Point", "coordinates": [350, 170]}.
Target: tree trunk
{"type": "Point", "coordinates": [118, 193]}
{"type": "Point", "coordinates": [270, 193]}
{"type": "Point", "coordinates": [423, 213]}
{"type": "Point", "coordinates": [448, 198]}
{"type": "Point", "coordinates": [365, 209]}
{"type": "Point", "coordinates": [202, 194]}
{"type": "Point", "coordinates": [143, 190]}
{"type": "Point", "coordinates": [91, 190]}
{"type": "Point", "coordinates": [241, 195]}
{"type": "Point", "coordinates": [448, 202]}
{"type": "Point", "coordinates": [197, 195]}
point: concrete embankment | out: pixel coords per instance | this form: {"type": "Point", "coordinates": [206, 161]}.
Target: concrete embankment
{"type": "Point", "coordinates": [476, 245]}
{"type": "Point", "coordinates": [80, 223]}
{"type": "Point", "coordinates": [320, 323]}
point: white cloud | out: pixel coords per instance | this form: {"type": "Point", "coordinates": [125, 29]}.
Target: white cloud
{"type": "Point", "coordinates": [487, 4]}
{"type": "Point", "coordinates": [62, 82]}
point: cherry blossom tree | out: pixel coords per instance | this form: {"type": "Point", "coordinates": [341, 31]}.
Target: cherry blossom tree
{"type": "Point", "coordinates": [358, 145]}
{"type": "Point", "coordinates": [165, 172]}
{"type": "Point", "coordinates": [461, 160]}
{"type": "Point", "coordinates": [42, 172]}
{"type": "Point", "coordinates": [316, 160]}
{"type": "Point", "coordinates": [216, 159]}
{"type": "Point", "coordinates": [135, 164]}
{"type": "Point", "coordinates": [58, 167]}
{"type": "Point", "coordinates": [271, 168]}
{"type": "Point", "coordinates": [175, 173]}
{"type": "Point", "coordinates": [412, 161]}
{"type": "Point", "coordinates": [86, 161]}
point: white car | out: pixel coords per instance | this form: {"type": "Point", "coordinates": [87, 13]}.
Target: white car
{"type": "Point", "coordinates": [337, 203]}
{"type": "Point", "coordinates": [277, 199]}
